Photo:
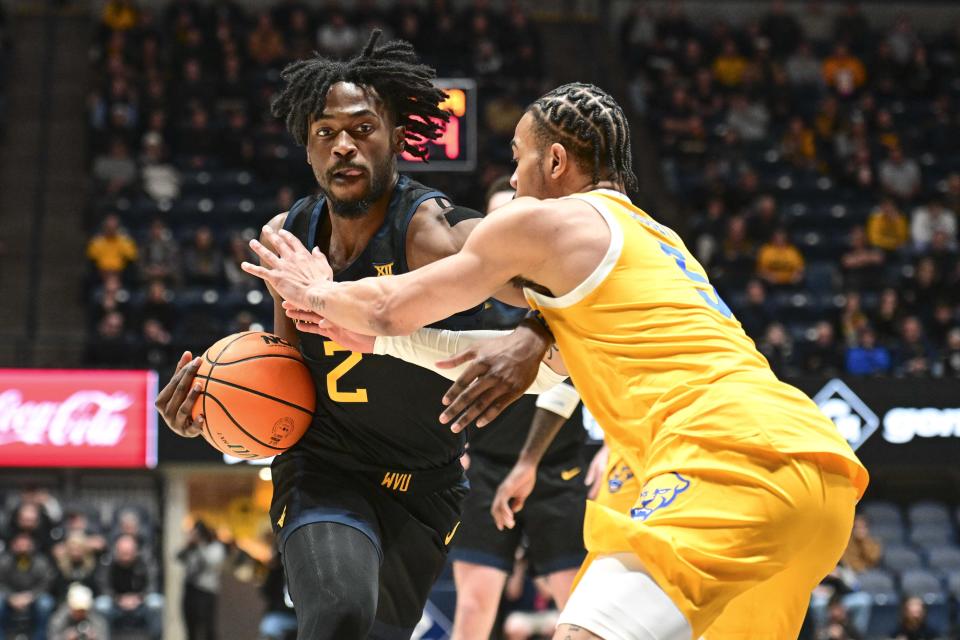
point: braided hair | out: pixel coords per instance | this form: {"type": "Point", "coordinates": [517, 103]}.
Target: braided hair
{"type": "Point", "coordinates": [591, 126]}
{"type": "Point", "coordinates": [392, 70]}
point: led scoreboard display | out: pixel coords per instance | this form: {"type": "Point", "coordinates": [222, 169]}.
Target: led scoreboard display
{"type": "Point", "coordinates": [456, 149]}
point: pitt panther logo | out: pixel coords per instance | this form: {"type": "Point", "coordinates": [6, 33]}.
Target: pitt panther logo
{"type": "Point", "coordinates": [384, 269]}
{"type": "Point", "coordinates": [620, 476]}
{"type": "Point", "coordinates": [658, 493]}
{"type": "Point", "coordinates": [396, 481]}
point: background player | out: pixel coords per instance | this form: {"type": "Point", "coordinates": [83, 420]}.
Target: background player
{"type": "Point", "coordinates": [366, 503]}
{"type": "Point", "coordinates": [482, 553]}
{"type": "Point", "coordinates": [741, 473]}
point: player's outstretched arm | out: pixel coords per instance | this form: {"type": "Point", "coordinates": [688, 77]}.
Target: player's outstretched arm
{"type": "Point", "coordinates": [501, 248]}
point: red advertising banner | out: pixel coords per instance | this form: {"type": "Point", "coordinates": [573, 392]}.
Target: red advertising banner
{"type": "Point", "coordinates": [74, 418]}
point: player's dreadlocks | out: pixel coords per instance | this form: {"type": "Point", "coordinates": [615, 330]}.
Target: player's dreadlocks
{"type": "Point", "coordinates": [592, 126]}
{"type": "Point", "coordinates": [392, 69]}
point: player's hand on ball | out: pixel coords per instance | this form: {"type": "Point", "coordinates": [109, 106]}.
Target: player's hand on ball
{"type": "Point", "coordinates": [500, 371]}
{"type": "Point", "coordinates": [512, 493]}
{"type": "Point", "coordinates": [310, 322]}
{"type": "Point", "coordinates": [176, 399]}
{"type": "Point", "coordinates": [291, 270]}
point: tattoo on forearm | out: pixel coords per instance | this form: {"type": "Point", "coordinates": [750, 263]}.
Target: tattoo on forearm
{"type": "Point", "coordinates": [316, 302]}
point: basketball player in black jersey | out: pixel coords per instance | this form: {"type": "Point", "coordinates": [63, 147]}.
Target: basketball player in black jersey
{"type": "Point", "coordinates": [366, 504]}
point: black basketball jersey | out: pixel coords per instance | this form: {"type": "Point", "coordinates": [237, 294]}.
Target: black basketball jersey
{"type": "Point", "coordinates": [379, 411]}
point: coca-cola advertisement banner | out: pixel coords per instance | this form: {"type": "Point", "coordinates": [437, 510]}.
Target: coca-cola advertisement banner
{"type": "Point", "coordinates": [74, 418]}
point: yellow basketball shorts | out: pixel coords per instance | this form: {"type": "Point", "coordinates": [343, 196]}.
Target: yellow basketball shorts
{"type": "Point", "coordinates": [737, 538]}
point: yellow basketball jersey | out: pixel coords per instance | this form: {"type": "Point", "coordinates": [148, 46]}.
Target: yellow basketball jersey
{"type": "Point", "coordinates": [655, 353]}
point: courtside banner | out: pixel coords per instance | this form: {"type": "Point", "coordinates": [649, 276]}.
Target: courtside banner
{"type": "Point", "coordinates": [77, 418]}
{"type": "Point", "coordinates": [892, 421]}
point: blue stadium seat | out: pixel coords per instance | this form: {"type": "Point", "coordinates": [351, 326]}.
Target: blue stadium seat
{"type": "Point", "coordinates": [928, 512]}
{"type": "Point", "coordinates": [945, 559]}
{"type": "Point", "coordinates": [886, 601]}
{"type": "Point", "coordinates": [932, 534]}
{"type": "Point", "coordinates": [891, 532]}
{"type": "Point", "coordinates": [878, 511]}
{"type": "Point", "coordinates": [821, 277]}
{"type": "Point", "coordinates": [900, 558]}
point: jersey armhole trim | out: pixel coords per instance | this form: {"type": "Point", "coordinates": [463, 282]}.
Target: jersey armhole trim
{"type": "Point", "coordinates": [599, 274]}
{"type": "Point", "coordinates": [406, 224]}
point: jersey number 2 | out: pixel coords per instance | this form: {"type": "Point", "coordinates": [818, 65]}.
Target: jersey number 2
{"type": "Point", "coordinates": [681, 261]}
{"type": "Point", "coordinates": [359, 395]}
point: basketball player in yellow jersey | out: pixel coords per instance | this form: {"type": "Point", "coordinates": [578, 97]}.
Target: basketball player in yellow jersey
{"type": "Point", "coordinates": [748, 491]}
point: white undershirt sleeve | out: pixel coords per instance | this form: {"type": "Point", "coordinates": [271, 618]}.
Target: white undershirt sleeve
{"type": "Point", "coordinates": [425, 346]}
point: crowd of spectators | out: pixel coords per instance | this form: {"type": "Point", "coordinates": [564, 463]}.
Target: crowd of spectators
{"type": "Point", "coordinates": [65, 575]}
{"type": "Point", "coordinates": [821, 172]}
{"type": "Point", "coordinates": [186, 160]}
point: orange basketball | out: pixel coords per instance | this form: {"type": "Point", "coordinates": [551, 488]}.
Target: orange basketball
{"type": "Point", "coordinates": [258, 397]}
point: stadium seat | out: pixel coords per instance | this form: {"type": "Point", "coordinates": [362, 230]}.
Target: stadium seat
{"type": "Point", "coordinates": [878, 512]}
{"type": "Point", "coordinates": [933, 534]}
{"type": "Point", "coordinates": [944, 559]}
{"type": "Point", "coordinates": [899, 558]}
{"type": "Point", "coordinates": [928, 512]}
{"type": "Point", "coordinates": [888, 532]}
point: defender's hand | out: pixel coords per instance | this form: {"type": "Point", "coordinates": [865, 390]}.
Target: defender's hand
{"type": "Point", "coordinates": [310, 322]}
{"type": "Point", "coordinates": [598, 467]}
{"type": "Point", "coordinates": [175, 401]}
{"type": "Point", "coordinates": [292, 269]}
{"type": "Point", "coordinates": [512, 493]}
{"type": "Point", "coordinates": [500, 371]}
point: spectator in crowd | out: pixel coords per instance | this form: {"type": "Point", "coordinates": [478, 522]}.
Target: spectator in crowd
{"type": "Point", "coordinates": [110, 346]}
{"type": "Point", "coordinates": [851, 25]}
{"type": "Point", "coordinates": [159, 255]}
{"type": "Point", "coordinates": [782, 29]}
{"type": "Point", "coordinates": [748, 119]}
{"type": "Point", "coordinates": [799, 144]}
{"type": "Point", "coordinates": [951, 355]}
{"type": "Point", "coordinates": [239, 252]}
{"type": "Point", "coordinates": [130, 522]}
{"type": "Point", "coordinates": [158, 307]}
{"type": "Point", "coordinates": [888, 317]}
{"type": "Point", "coordinates": [925, 289]}
{"type": "Point", "coordinates": [75, 619]}
{"type": "Point", "coordinates": [763, 220]}
{"type": "Point", "coordinates": [852, 318]}
{"type": "Point", "coordinates": [160, 179]}
{"type": "Point", "coordinates": [111, 250]}
{"type": "Point", "coordinates": [116, 171]}
{"type": "Point", "coordinates": [757, 312]}
{"type": "Point", "coordinates": [843, 72]}
{"type": "Point", "coordinates": [887, 227]}
{"type": "Point", "coordinates": [862, 264]}
{"type": "Point", "coordinates": [265, 43]}
{"type": "Point", "coordinates": [156, 345]}
{"type": "Point", "coordinates": [823, 354]}
{"type": "Point", "coordinates": [25, 580]}
{"type": "Point", "coordinates": [75, 561]}
{"type": "Point", "coordinates": [777, 347]}
{"type": "Point", "coordinates": [868, 358]}
{"type": "Point", "coordinates": [900, 176]}
{"type": "Point", "coordinates": [779, 262]}
{"type": "Point", "coordinates": [736, 260]}
{"type": "Point", "coordinates": [119, 15]}
{"type": "Point", "coordinates": [913, 357]}
{"type": "Point", "coordinates": [128, 586]}
{"type": "Point", "coordinates": [77, 520]}
{"type": "Point", "coordinates": [929, 219]}
{"type": "Point", "coordinates": [30, 518]}
{"type": "Point", "coordinates": [913, 622]}
{"type": "Point", "coordinates": [202, 260]}
{"type": "Point", "coordinates": [336, 37]}
{"type": "Point", "coordinates": [838, 625]}
{"type": "Point", "coordinates": [729, 66]}
{"type": "Point", "coordinates": [803, 69]}
{"type": "Point", "coordinates": [203, 559]}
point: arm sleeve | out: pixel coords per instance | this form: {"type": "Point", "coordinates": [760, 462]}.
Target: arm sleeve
{"type": "Point", "coordinates": [424, 347]}
{"type": "Point", "coordinates": [561, 399]}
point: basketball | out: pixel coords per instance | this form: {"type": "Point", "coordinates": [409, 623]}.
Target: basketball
{"type": "Point", "coordinates": [258, 396]}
